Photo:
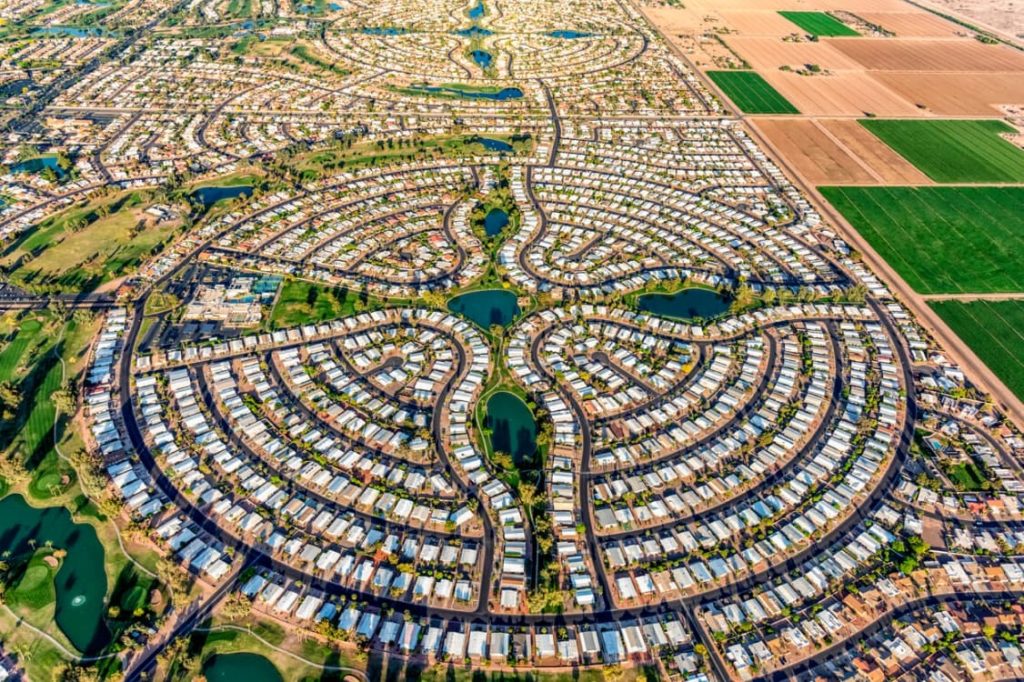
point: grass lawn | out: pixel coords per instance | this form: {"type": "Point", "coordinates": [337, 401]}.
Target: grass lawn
{"type": "Point", "coordinates": [36, 655]}
{"type": "Point", "coordinates": [819, 24]}
{"type": "Point", "coordinates": [954, 151]}
{"type": "Point", "coordinates": [301, 302]}
{"type": "Point", "coordinates": [34, 590]}
{"type": "Point", "coordinates": [228, 638]}
{"type": "Point", "coordinates": [57, 257]}
{"type": "Point", "coordinates": [942, 240]}
{"type": "Point", "coordinates": [967, 476]}
{"type": "Point", "coordinates": [994, 330]}
{"type": "Point", "coordinates": [751, 93]}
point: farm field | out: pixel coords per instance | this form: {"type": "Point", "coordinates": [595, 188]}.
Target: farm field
{"type": "Point", "coordinates": [954, 151]}
{"type": "Point", "coordinates": [911, 24]}
{"type": "Point", "coordinates": [819, 24]}
{"type": "Point", "coordinates": [956, 94]}
{"type": "Point", "coordinates": [883, 54]}
{"type": "Point", "coordinates": [837, 152]}
{"type": "Point", "coordinates": [994, 330]}
{"type": "Point", "coordinates": [942, 240]}
{"type": "Point", "coordinates": [751, 93]}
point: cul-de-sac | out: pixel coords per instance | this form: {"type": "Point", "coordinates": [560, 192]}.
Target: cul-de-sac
{"type": "Point", "coordinates": [511, 340]}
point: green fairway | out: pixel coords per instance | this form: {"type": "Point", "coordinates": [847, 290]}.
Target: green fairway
{"type": "Point", "coordinates": [954, 151]}
{"type": "Point", "coordinates": [819, 24]}
{"type": "Point", "coordinates": [85, 246]}
{"type": "Point", "coordinates": [994, 330]}
{"type": "Point", "coordinates": [942, 240]}
{"type": "Point", "coordinates": [12, 351]}
{"type": "Point", "coordinates": [751, 93]}
{"type": "Point", "coordinates": [34, 590]}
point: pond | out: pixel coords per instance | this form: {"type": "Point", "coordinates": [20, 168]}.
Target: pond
{"type": "Point", "coordinates": [486, 307]}
{"type": "Point", "coordinates": [685, 304]}
{"type": "Point", "coordinates": [513, 428]}
{"type": "Point", "coordinates": [242, 666]}
{"type": "Point", "coordinates": [383, 31]}
{"type": "Point", "coordinates": [495, 221]}
{"type": "Point", "coordinates": [208, 196]}
{"type": "Point", "coordinates": [482, 58]}
{"type": "Point", "coordinates": [570, 35]}
{"type": "Point", "coordinates": [474, 32]}
{"type": "Point", "coordinates": [72, 31]}
{"type": "Point", "coordinates": [477, 10]}
{"type": "Point", "coordinates": [37, 164]}
{"type": "Point", "coordinates": [81, 581]}
{"type": "Point", "coordinates": [467, 92]}
{"type": "Point", "coordinates": [493, 145]}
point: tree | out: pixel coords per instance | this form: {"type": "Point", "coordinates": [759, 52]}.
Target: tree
{"type": "Point", "coordinates": [176, 580]}
{"type": "Point", "coordinates": [743, 298]}
{"type": "Point", "coordinates": [236, 607]}
{"type": "Point", "coordinates": [64, 400]}
{"type": "Point", "coordinates": [10, 399]}
{"type": "Point", "coordinates": [434, 299]}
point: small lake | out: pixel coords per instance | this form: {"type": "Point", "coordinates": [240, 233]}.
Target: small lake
{"type": "Point", "coordinates": [570, 35]}
{"type": "Point", "coordinates": [81, 582]}
{"type": "Point", "coordinates": [486, 307]}
{"type": "Point", "coordinates": [482, 58]}
{"type": "Point", "coordinates": [37, 164]}
{"type": "Point", "coordinates": [477, 10]}
{"type": "Point", "coordinates": [685, 304]}
{"type": "Point", "coordinates": [495, 221]}
{"type": "Point", "coordinates": [209, 196]}
{"type": "Point", "coordinates": [493, 145]}
{"type": "Point", "coordinates": [513, 428]}
{"type": "Point", "coordinates": [241, 666]}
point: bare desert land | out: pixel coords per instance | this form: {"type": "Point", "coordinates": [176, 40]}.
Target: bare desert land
{"type": "Point", "coordinates": [1006, 16]}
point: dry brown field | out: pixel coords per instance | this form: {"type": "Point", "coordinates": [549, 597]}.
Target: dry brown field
{"type": "Point", "coordinates": [836, 152]}
{"type": "Point", "coordinates": [848, 93]}
{"type": "Point", "coordinates": [878, 156]}
{"type": "Point", "coordinates": [757, 23]}
{"type": "Point", "coordinates": [955, 94]}
{"type": "Point", "coordinates": [960, 55]}
{"type": "Point", "coordinates": [812, 153]}
{"type": "Point", "coordinates": [767, 54]}
{"type": "Point", "coordinates": [912, 24]}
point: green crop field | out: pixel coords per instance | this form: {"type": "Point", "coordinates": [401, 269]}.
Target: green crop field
{"type": "Point", "coordinates": [819, 24]}
{"type": "Point", "coordinates": [995, 332]}
{"type": "Point", "coordinates": [954, 151]}
{"type": "Point", "coordinates": [942, 240]}
{"type": "Point", "coordinates": [751, 93]}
